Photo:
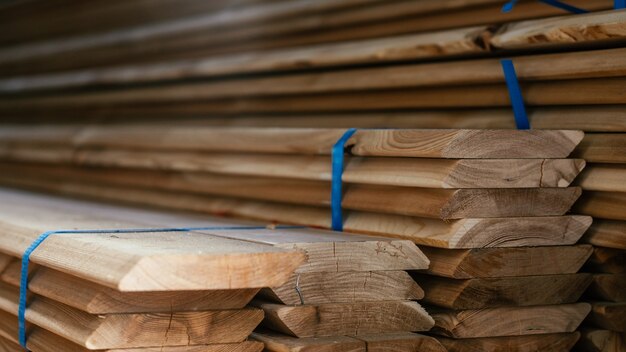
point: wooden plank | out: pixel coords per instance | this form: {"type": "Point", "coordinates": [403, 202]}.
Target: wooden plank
{"type": "Point", "coordinates": [602, 148]}
{"type": "Point", "coordinates": [463, 233]}
{"type": "Point", "coordinates": [607, 260]}
{"type": "Point", "coordinates": [116, 261]}
{"type": "Point", "coordinates": [579, 65]}
{"type": "Point", "coordinates": [596, 340]}
{"type": "Point", "coordinates": [403, 341]}
{"type": "Point", "coordinates": [505, 262]}
{"type": "Point", "coordinates": [428, 173]}
{"type": "Point", "coordinates": [5, 260]}
{"type": "Point", "coordinates": [529, 343]}
{"type": "Point", "coordinates": [603, 177]}
{"type": "Point", "coordinates": [97, 299]}
{"type": "Point", "coordinates": [378, 50]}
{"type": "Point", "coordinates": [606, 233]}
{"type": "Point", "coordinates": [603, 205]}
{"type": "Point", "coordinates": [421, 202]}
{"type": "Point", "coordinates": [345, 287]}
{"type": "Point", "coordinates": [608, 315]}
{"type": "Point", "coordinates": [40, 340]}
{"type": "Point", "coordinates": [510, 321]}
{"type": "Point", "coordinates": [593, 27]}
{"type": "Point", "coordinates": [277, 342]}
{"type": "Point", "coordinates": [608, 287]}
{"type": "Point", "coordinates": [134, 330]}
{"type": "Point", "coordinates": [469, 144]}
{"type": "Point", "coordinates": [498, 292]}
{"type": "Point", "coordinates": [350, 319]}
{"type": "Point", "coordinates": [606, 118]}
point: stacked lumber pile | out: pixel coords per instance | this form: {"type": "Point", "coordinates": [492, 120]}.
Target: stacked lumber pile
{"type": "Point", "coordinates": [489, 214]}
{"type": "Point", "coordinates": [188, 290]}
{"type": "Point", "coordinates": [156, 109]}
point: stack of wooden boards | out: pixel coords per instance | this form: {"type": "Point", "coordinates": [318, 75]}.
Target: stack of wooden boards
{"type": "Point", "coordinates": [475, 199]}
{"type": "Point", "coordinates": [188, 290]}
{"type": "Point", "coordinates": [488, 206]}
{"type": "Point", "coordinates": [604, 198]}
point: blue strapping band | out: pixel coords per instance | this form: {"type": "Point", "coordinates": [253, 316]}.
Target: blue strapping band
{"type": "Point", "coordinates": [620, 4]}
{"type": "Point", "coordinates": [508, 7]}
{"type": "Point", "coordinates": [21, 313]}
{"type": "Point", "coordinates": [519, 111]}
{"type": "Point", "coordinates": [337, 183]}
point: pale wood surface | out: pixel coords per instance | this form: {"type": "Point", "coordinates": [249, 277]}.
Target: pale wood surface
{"type": "Point", "coordinates": [607, 233]}
{"type": "Point", "coordinates": [134, 330]}
{"type": "Point", "coordinates": [499, 292]}
{"type": "Point", "coordinates": [130, 262]}
{"type": "Point", "coordinates": [429, 173]}
{"type": "Point", "coordinates": [510, 321]}
{"type": "Point", "coordinates": [596, 340]}
{"type": "Point", "coordinates": [460, 143]}
{"type": "Point", "coordinates": [345, 287]}
{"type": "Point", "coordinates": [595, 27]}
{"type": "Point", "coordinates": [505, 262]}
{"type": "Point", "coordinates": [608, 315]}
{"type": "Point", "coordinates": [403, 341]}
{"type": "Point", "coordinates": [602, 205]}
{"type": "Point", "coordinates": [97, 299]}
{"type": "Point", "coordinates": [350, 319]}
{"type": "Point", "coordinates": [603, 177]}
{"type": "Point", "coordinates": [530, 343]}
{"type": "Point", "coordinates": [463, 233]}
{"type": "Point", "coordinates": [609, 287]}
{"type": "Point", "coordinates": [277, 342]}
{"type": "Point", "coordinates": [41, 340]}
{"type": "Point", "coordinates": [421, 202]}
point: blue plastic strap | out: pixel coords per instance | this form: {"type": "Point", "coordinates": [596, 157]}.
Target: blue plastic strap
{"type": "Point", "coordinates": [337, 183]}
{"type": "Point", "coordinates": [508, 7]}
{"type": "Point", "coordinates": [21, 313]}
{"type": "Point", "coordinates": [620, 4]}
{"type": "Point", "coordinates": [519, 111]}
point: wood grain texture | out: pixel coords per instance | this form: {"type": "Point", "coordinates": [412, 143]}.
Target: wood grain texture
{"type": "Point", "coordinates": [461, 41]}
{"type": "Point", "coordinates": [472, 72]}
{"type": "Point", "coordinates": [97, 299]}
{"type": "Point", "coordinates": [529, 343]}
{"type": "Point", "coordinates": [608, 287]}
{"type": "Point", "coordinates": [608, 315]}
{"type": "Point", "coordinates": [499, 292]}
{"type": "Point", "coordinates": [505, 262]}
{"type": "Point", "coordinates": [607, 233]}
{"type": "Point", "coordinates": [603, 177]}
{"type": "Point", "coordinates": [593, 27]}
{"type": "Point", "coordinates": [345, 287]}
{"type": "Point", "coordinates": [596, 340]}
{"type": "Point", "coordinates": [602, 148]}
{"type": "Point", "coordinates": [193, 171]}
{"type": "Point", "coordinates": [470, 144]}
{"type": "Point", "coordinates": [277, 342]}
{"type": "Point", "coordinates": [510, 321]}
{"type": "Point", "coordinates": [125, 261]}
{"type": "Point", "coordinates": [350, 319]}
{"type": "Point", "coordinates": [463, 233]}
{"type": "Point", "coordinates": [41, 340]}
{"type": "Point", "coordinates": [404, 341]}
{"type": "Point", "coordinates": [603, 205]}
{"type": "Point", "coordinates": [134, 330]}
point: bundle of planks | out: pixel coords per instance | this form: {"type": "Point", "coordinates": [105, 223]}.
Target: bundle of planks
{"type": "Point", "coordinates": [154, 290]}
{"type": "Point", "coordinates": [454, 192]}
{"type": "Point", "coordinates": [236, 124]}
{"type": "Point", "coordinates": [605, 199]}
